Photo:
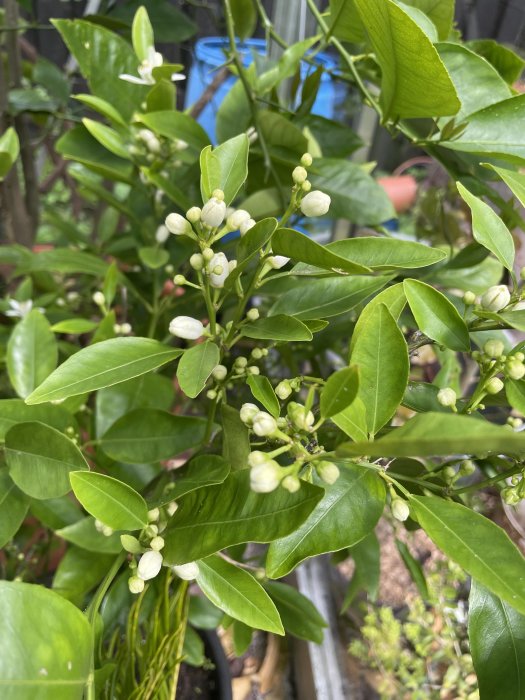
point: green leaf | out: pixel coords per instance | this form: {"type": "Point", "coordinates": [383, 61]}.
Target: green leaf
{"type": "Point", "coordinates": [514, 180]}
{"type": "Point", "coordinates": [298, 615]}
{"type": "Point", "coordinates": [352, 420]}
{"type": "Point", "coordinates": [153, 257]}
{"type": "Point", "coordinates": [285, 140]}
{"type": "Point", "coordinates": [40, 459]}
{"type": "Point", "coordinates": [9, 150]}
{"type": "Point", "coordinates": [200, 472]}
{"type": "Point", "coordinates": [380, 353]}
{"type": "Point", "coordinates": [463, 535]}
{"type": "Point", "coordinates": [430, 434]}
{"type": "Point", "coordinates": [345, 23]}
{"type": "Point", "coordinates": [235, 438]}
{"type": "Point", "coordinates": [13, 507]}
{"type": "Point", "coordinates": [79, 571]}
{"type": "Point", "coordinates": [107, 137]}
{"type": "Point", "coordinates": [66, 261]}
{"type": "Point", "coordinates": [415, 83]}
{"type": "Point", "coordinates": [149, 435]}
{"type": "Point", "coordinates": [237, 593]}
{"type": "Point", "coordinates": [244, 18]}
{"type": "Point", "coordinates": [414, 569]}
{"type": "Point", "coordinates": [85, 535]}
{"type": "Point", "coordinates": [176, 126]}
{"type": "Point", "coordinates": [176, 194]}
{"type": "Point", "coordinates": [515, 391]}
{"type": "Point", "coordinates": [436, 316]}
{"type": "Point", "coordinates": [142, 34]}
{"type": "Point", "coordinates": [33, 662]}
{"type": "Point", "coordinates": [74, 326]}
{"type": "Point", "coordinates": [348, 511]}
{"type": "Point", "coordinates": [325, 297]}
{"type": "Point", "coordinates": [102, 107]}
{"type": "Point", "coordinates": [392, 297]}
{"type": "Point", "coordinates": [263, 392]}
{"type": "Point", "coordinates": [488, 229]}
{"type": "Point", "coordinates": [195, 367]}
{"type": "Point", "coordinates": [280, 328]}
{"type": "Point", "coordinates": [112, 502]}
{"type": "Point", "coordinates": [497, 644]}
{"type": "Point", "coordinates": [228, 168]}
{"type": "Point", "coordinates": [231, 513]}
{"type": "Point", "coordinates": [367, 560]}
{"type": "Point", "coordinates": [441, 13]}
{"type": "Point", "coordinates": [32, 353]}
{"type": "Point", "coordinates": [295, 245]}
{"type": "Point", "coordinates": [79, 145]}
{"type": "Point", "coordinates": [508, 64]}
{"type": "Point", "coordinates": [104, 364]}
{"type": "Point", "coordinates": [339, 391]}
{"type": "Point", "coordinates": [386, 253]}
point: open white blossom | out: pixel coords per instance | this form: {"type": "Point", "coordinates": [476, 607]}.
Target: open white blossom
{"type": "Point", "coordinates": [218, 269]}
{"type": "Point", "coordinates": [20, 309]}
{"type": "Point", "coordinates": [145, 70]}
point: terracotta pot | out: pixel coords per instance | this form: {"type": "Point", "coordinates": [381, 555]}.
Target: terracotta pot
{"type": "Point", "coordinates": [401, 190]}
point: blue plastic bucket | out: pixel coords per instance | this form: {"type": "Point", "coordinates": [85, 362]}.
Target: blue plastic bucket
{"type": "Point", "coordinates": [210, 55]}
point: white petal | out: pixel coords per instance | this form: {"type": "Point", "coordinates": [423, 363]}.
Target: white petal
{"type": "Point", "coordinates": [177, 76]}
{"type": "Point", "coordinates": [133, 79]}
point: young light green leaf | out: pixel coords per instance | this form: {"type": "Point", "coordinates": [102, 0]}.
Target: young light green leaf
{"type": "Point", "coordinates": [32, 353]}
{"type": "Point", "coordinates": [380, 353]}
{"type": "Point", "coordinates": [280, 327]}
{"type": "Point", "coordinates": [244, 18]}
{"type": "Point", "coordinates": [339, 391]}
{"type": "Point", "coordinates": [74, 326]}
{"type": "Point", "coordinates": [514, 180]}
{"type": "Point", "coordinates": [263, 392]}
{"type": "Point", "coordinates": [298, 614]}
{"type": "Point", "coordinates": [153, 257]}
{"type": "Point", "coordinates": [508, 64]}
{"type": "Point", "coordinates": [392, 297]}
{"type": "Point", "coordinates": [415, 83]}
{"type": "Point", "coordinates": [13, 507]}
{"type": "Point", "coordinates": [9, 150]}
{"type": "Point", "coordinates": [111, 501]}
{"type": "Point", "coordinates": [352, 420]}
{"type": "Point", "coordinates": [348, 511]}
{"type": "Point", "coordinates": [142, 34]}
{"type": "Point", "coordinates": [149, 435]}
{"type": "Point", "coordinates": [104, 364]}
{"type": "Point", "coordinates": [13, 411]}
{"type": "Point", "coordinates": [107, 137]}
{"type": "Point", "coordinates": [216, 517]}
{"type": "Point", "coordinates": [463, 535]}
{"type": "Point", "coordinates": [176, 126]}
{"type": "Point", "coordinates": [436, 316]}
{"type": "Point", "coordinates": [497, 644]}
{"type": "Point", "coordinates": [102, 107]}
{"type": "Point", "coordinates": [238, 593]}
{"type": "Point", "coordinates": [414, 569]}
{"type": "Point", "coordinates": [488, 229]}
{"type": "Point", "coordinates": [441, 434]}
{"type": "Point", "coordinates": [85, 535]}
{"type": "Point", "coordinates": [386, 253]}
{"type": "Point", "coordinates": [195, 367]}
{"type": "Point", "coordinates": [226, 167]}
{"type": "Point", "coordinates": [235, 438]}
{"type": "Point", "coordinates": [40, 459]}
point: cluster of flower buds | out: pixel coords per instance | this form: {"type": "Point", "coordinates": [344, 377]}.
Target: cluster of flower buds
{"type": "Point", "coordinates": [493, 360]}
{"type": "Point", "coordinates": [149, 147]}
{"type": "Point", "coordinates": [514, 492]}
{"type": "Point", "coordinates": [311, 202]}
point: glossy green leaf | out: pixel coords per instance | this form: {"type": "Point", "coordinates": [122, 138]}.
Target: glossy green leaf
{"type": "Point", "coordinates": [280, 327]}
{"type": "Point", "coordinates": [387, 253]}
{"type": "Point", "coordinates": [462, 534]}
{"type": "Point", "coordinates": [79, 145]}
{"type": "Point", "coordinates": [40, 459]}
{"type": "Point", "coordinates": [235, 438]}
{"type": "Point", "coordinates": [32, 353]}
{"type": "Point", "coordinates": [200, 472]}
{"type": "Point", "coordinates": [295, 245]}
{"type": "Point", "coordinates": [67, 261]}
{"type": "Point", "coordinates": [285, 139]}
{"type": "Point", "coordinates": [79, 571]}
{"type": "Point", "coordinates": [9, 150]}
{"type": "Point", "coordinates": [195, 367]}
{"type": "Point", "coordinates": [348, 511]}
{"type": "Point", "coordinates": [13, 507]}
{"type": "Point", "coordinates": [149, 435]}
{"type": "Point", "coordinates": [142, 34]}
{"type": "Point", "coordinates": [216, 517]}
{"type": "Point", "coordinates": [488, 229]}
{"type": "Point", "coordinates": [436, 316]}
{"type": "Point", "coordinates": [104, 364]}
{"type": "Point", "coordinates": [85, 535]}
{"type": "Point", "coordinates": [13, 411]}
{"type": "Point", "coordinates": [102, 107]}
{"type": "Point", "coordinates": [225, 167]}
{"type": "Point", "coordinates": [298, 614]}
{"type": "Point", "coordinates": [441, 13]}
{"type": "Point", "coordinates": [56, 513]}
{"type": "Point", "coordinates": [392, 297]}
{"type": "Point", "coordinates": [112, 502]}
{"type": "Point", "coordinates": [414, 568]}
{"type": "Point", "coordinates": [238, 593]}
{"type": "Point", "coordinates": [515, 391]}
{"type": "Point", "coordinates": [74, 326]}
{"type": "Point", "coordinates": [325, 297]}
{"type": "Point", "coordinates": [176, 126]}
{"type": "Point", "coordinates": [380, 353]}
{"type": "Point", "coordinates": [497, 644]}
{"type": "Point", "coordinates": [263, 392]}
{"type": "Point", "coordinates": [430, 434]}
{"type": "Point", "coordinates": [244, 18]}
{"type": "Point", "coordinates": [508, 64]}
{"type": "Point", "coordinates": [339, 391]}
{"type": "Point", "coordinates": [107, 137]}
{"type": "Point", "coordinates": [514, 180]}
{"type": "Point", "coordinates": [153, 257]}
{"type": "Point", "coordinates": [46, 647]}
{"type": "Point", "coordinates": [409, 63]}
{"type": "Point", "coordinates": [352, 421]}
{"type": "Point", "coordinates": [422, 397]}
{"type": "Point", "coordinates": [367, 561]}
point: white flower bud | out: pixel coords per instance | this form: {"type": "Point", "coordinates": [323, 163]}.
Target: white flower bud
{"type": "Point", "coordinates": [219, 373]}
{"type": "Point", "coordinates": [172, 507]}
{"type": "Point", "coordinates": [306, 186]}
{"type": "Point", "coordinates": [299, 417]}
{"type": "Point", "coordinates": [253, 369]}
{"type": "Point", "coordinates": [107, 531]}
{"type": "Point", "coordinates": [197, 261]}
{"type": "Point", "coordinates": [180, 144]}
{"type": "Point", "coordinates": [207, 254]}
{"type": "Point", "coordinates": [253, 315]}
{"type": "Point", "coordinates": [257, 457]}
{"type": "Point", "coordinates": [327, 471]}
{"type": "Point", "coordinates": [150, 564]}
{"type": "Point", "coordinates": [315, 203]}
{"type": "Point", "coordinates": [283, 389]}
{"type": "Point", "coordinates": [248, 412]}
{"type": "Point", "coordinates": [496, 298]}
{"type": "Point", "coordinates": [400, 509]}
{"type": "Point", "coordinates": [179, 280]}
{"type": "Point", "coordinates": [257, 354]}
{"type": "Point", "coordinates": [447, 397]}
{"type": "Point", "coordinates": [178, 225]}
{"type": "Point", "coordinates": [126, 328]}
{"type": "Point", "coordinates": [469, 298]}
{"type": "Point", "coordinates": [194, 215]}
{"type": "Point", "coordinates": [213, 212]}
{"type": "Point", "coordinates": [136, 585]}
{"type": "Point", "coordinates": [162, 234]}
{"type": "Point", "coordinates": [277, 261]}
{"type": "Point", "coordinates": [515, 369]}
{"type": "Point", "coordinates": [188, 571]}
{"type": "Point", "coordinates": [264, 424]}
{"type": "Point", "coordinates": [494, 385]}
{"type": "Point", "coordinates": [232, 264]}
{"type": "Point", "coordinates": [211, 394]}
{"type": "Point", "coordinates": [153, 515]}
{"type": "Point", "coordinates": [218, 194]}
{"type": "Point", "coordinates": [186, 327]}
{"type": "Point", "coordinates": [99, 298]}
{"type": "Point", "coordinates": [237, 218]}
{"type": "Point", "coordinates": [299, 175]}
{"type": "Point", "coordinates": [218, 270]}
{"type": "Point", "coordinates": [306, 160]}
{"type": "Point", "coordinates": [265, 477]}
{"type": "Point", "coordinates": [246, 226]}
{"type": "Point", "coordinates": [291, 483]}
{"type": "Point", "coordinates": [157, 543]}
{"type": "Point", "coordinates": [153, 145]}
{"type": "Point", "coordinates": [145, 135]}
{"type": "Point", "coordinates": [494, 348]}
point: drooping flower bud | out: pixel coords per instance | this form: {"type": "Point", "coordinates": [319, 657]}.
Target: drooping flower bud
{"type": "Point", "coordinates": [188, 571]}
{"type": "Point", "coordinates": [99, 298]}
{"type": "Point", "coordinates": [306, 160]}
{"type": "Point", "coordinates": [194, 215]}
{"type": "Point", "coordinates": [248, 412]}
{"type": "Point", "coordinates": [291, 483]}
{"type": "Point", "coordinates": [252, 314]}
{"type": "Point", "coordinates": [302, 419]}
{"type": "Point", "coordinates": [515, 369]}
{"type": "Point", "coordinates": [264, 424]}
{"type": "Point", "coordinates": [327, 471]}
{"type": "Point", "coordinates": [400, 509]}
{"type": "Point", "coordinates": [257, 457]}
{"type": "Point", "coordinates": [447, 397]}
{"type": "Point", "coordinates": [265, 477]}
{"type": "Point", "coordinates": [218, 270]}
{"type": "Point", "coordinates": [496, 298]}
{"type": "Point", "coordinates": [177, 224]}
{"type": "Point", "coordinates": [219, 373]}
{"type": "Point", "coordinates": [469, 298]}
{"type": "Point", "coordinates": [150, 564]}
{"type": "Point", "coordinates": [246, 225]}
{"type": "Point", "coordinates": [494, 348]}
{"type": "Point", "coordinates": [213, 212]}
{"type": "Point", "coordinates": [315, 203]}
{"type": "Point", "coordinates": [237, 218]}
{"type": "Point", "coordinates": [136, 585]}
{"type": "Point", "coordinates": [186, 327]}
{"type": "Point", "coordinates": [162, 234]}
{"type": "Point", "coordinates": [299, 175]}
{"type": "Point", "coordinates": [283, 389]}
{"type": "Point", "coordinates": [277, 261]}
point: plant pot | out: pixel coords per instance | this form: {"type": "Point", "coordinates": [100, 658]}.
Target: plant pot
{"type": "Point", "coordinates": [401, 190]}
{"type": "Point", "coordinates": [207, 683]}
